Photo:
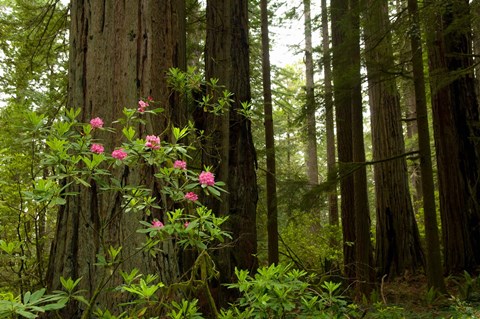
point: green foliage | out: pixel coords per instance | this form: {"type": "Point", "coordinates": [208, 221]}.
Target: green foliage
{"type": "Point", "coordinates": [31, 304]}
{"type": "Point", "coordinates": [283, 292]}
{"type": "Point", "coordinates": [186, 309]}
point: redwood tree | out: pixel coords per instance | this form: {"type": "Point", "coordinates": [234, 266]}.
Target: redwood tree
{"type": "Point", "coordinates": [311, 138]}
{"type": "Point", "coordinates": [341, 73]}
{"type": "Point", "coordinates": [456, 131]}
{"type": "Point", "coordinates": [398, 242]}
{"type": "Point", "coordinates": [272, 211]}
{"type": "Point", "coordinates": [119, 52]}
{"type": "Point", "coordinates": [227, 59]}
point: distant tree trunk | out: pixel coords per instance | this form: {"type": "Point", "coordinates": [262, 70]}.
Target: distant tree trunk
{"type": "Point", "coordinates": [341, 63]}
{"type": "Point", "coordinates": [311, 152]}
{"type": "Point", "coordinates": [119, 52]}
{"type": "Point", "coordinates": [433, 267]}
{"type": "Point", "coordinates": [398, 242]}
{"type": "Point", "coordinates": [272, 224]}
{"type": "Point", "coordinates": [227, 59]}
{"type": "Point", "coordinates": [363, 245]}
{"type": "Point", "coordinates": [456, 131]}
{"type": "Point", "coordinates": [329, 123]}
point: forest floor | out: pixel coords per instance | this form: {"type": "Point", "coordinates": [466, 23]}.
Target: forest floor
{"type": "Point", "coordinates": [408, 297]}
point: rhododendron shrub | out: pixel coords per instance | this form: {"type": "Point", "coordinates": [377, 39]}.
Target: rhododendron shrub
{"type": "Point", "coordinates": [78, 155]}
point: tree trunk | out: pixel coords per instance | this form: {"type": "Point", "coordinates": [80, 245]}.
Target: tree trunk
{"type": "Point", "coordinates": [398, 242]}
{"type": "Point", "coordinates": [119, 52]}
{"type": "Point", "coordinates": [433, 253]}
{"type": "Point", "coordinates": [272, 212]}
{"type": "Point", "coordinates": [329, 123]}
{"type": "Point", "coordinates": [227, 59]}
{"type": "Point", "coordinates": [311, 152]}
{"type": "Point", "coordinates": [456, 132]}
{"type": "Point", "coordinates": [363, 245]}
{"type": "Point", "coordinates": [341, 63]}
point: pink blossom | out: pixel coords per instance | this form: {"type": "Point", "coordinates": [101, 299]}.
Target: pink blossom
{"type": "Point", "coordinates": [157, 224]}
{"type": "Point", "coordinates": [142, 105]}
{"type": "Point", "coordinates": [97, 148]}
{"type": "Point", "coordinates": [186, 224]}
{"type": "Point", "coordinates": [119, 154]}
{"type": "Point", "coordinates": [180, 164]}
{"type": "Point", "coordinates": [149, 98]}
{"type": "Point", "coordinates": [206, 179]}
{"type": "Point", "coordinates": [153, 142]}
{"type": "Point", "coordinates": [96, 123]}
{"type": "Point", "coordinates": [191, 196]}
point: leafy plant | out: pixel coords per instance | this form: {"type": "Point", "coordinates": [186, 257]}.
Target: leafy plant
{"type": "Point", "coordinates": [280, 291]}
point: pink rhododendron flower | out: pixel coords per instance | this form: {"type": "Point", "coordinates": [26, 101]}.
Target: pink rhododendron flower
{"type": "Point", "coordinates": [96, 122]}
{"type": "Point", "coordinates": [180, 164]}
{"type": "Point", "coordinates": [191, 196]}
{"type": "Point", "coordinates": [119, 154]}
{"type": "Point", "coordinates": [153, 142]}
{"type": "Point", "coordinates": [142, 105]}
{"type": "Point", "coordinates": [206, 178]}
{"type": "Point", "coordinates": [97, 148]}
{"type": "Point", "coordinates": [186, 224]}
{"type": "Point", "coordinates": [157, 224]}
{"type": "Point", "coordinates": [149, 98]}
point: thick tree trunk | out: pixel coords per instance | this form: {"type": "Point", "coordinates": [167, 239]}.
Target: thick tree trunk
{"type": "Point", "coordinates": [398, 242]}
{"type": "Point", "coordinates": [227, 59]}
{"type": "Point", "coordinates": [272, 212]}
{"type": "Point", "coordinates": [119, 52]}
{"type": "Point", "coordinates": [456, 132]}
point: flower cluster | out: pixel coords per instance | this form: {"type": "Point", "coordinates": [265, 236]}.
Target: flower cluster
{"type": "Point", "coordinates": [179, 164]}
{"type": "Point", "coordinates": [157, 224]}
{"type": "Point", "coordinates": [97, 148]}
{"type": "Point", "coordinates": [119, 154]}
{"type": "Point", "coordinates": [206, 179]}
{"type": "Point", "coordinates": [142, 105]}
{"type": "Point", "coordinates": [191, 196]}
{"type": "Point", "coordinates": [96, 123]}
{"type": "Point", "coordinates": [152, 142]}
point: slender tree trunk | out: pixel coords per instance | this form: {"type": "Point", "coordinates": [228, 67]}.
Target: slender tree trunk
{"type": "Point", "coordinates": [433, 255]}
{"type": "Point", "coordinates": [329, 123]}
{"type": "Point", "coordinates": [272, 223]}
{"type": "Point", "coordinates": [341, 72]}
{"type": "Point", "coordinates": [311, 152]}
{"type": "Point", "coordinates": [398, 242]}
{"type": "Point", "coordinates": [119, 52]}
{"type": "Point", "coordinates": [456, 131]}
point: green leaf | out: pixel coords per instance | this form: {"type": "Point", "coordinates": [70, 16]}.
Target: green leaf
{"type": "Point", "coordinates": [25, 314]}
{"type": "Point", "coordinates": [129, 133]}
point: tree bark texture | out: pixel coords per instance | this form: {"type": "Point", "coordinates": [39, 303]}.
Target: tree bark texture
{"type": "Point", "coordinates": [456, 132]}
{"type": "Point", "coordinates": [120, 51]}
{"type": "Point", "coordinates": [227, 59]}
{"type": "Point", "coordinates": [398, 242]}
{"type": "Point", "coordinates": [341, 72]}
{"type": "Point", "coordinates": [433, 263]}
{"type": "Point", "coordinates": [363, 245]}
